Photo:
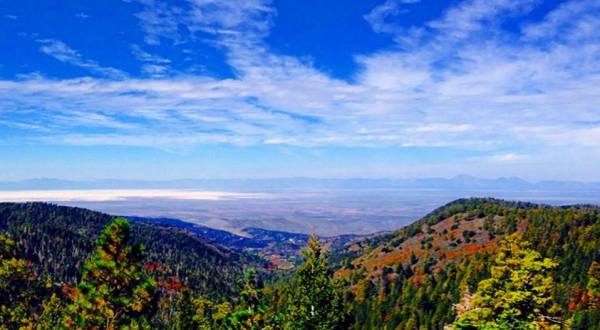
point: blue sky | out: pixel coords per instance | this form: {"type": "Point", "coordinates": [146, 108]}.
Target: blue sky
{"type": "Point", "coordinates": [255, 88]}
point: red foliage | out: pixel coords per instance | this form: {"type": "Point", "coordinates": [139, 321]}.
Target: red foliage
{"type": "Point", "coordinates": [581, 300]}
{"type": "Point", "coordinates": [171, 285]}
{"type": "Point", "coordinates": [153, 266]}
{"type": "Point", "coordinates": [575, 299]}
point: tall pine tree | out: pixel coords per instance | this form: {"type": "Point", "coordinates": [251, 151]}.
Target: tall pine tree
{"type": "Point", "coordinates": [115, 291]}
{"type": "Point", "coordinates": [315, 303]}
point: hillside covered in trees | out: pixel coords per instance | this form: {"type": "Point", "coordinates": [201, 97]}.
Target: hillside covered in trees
{"type": "Point", "coordinates": [413, 278]}
{"type": "Point", "coordinates": [472, 264]}
{"type": "Point", "coordinates": [57, 240]}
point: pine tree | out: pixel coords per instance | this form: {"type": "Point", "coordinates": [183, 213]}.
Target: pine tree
{"type": "Point", "coordinates": [115, 292]}
{"type": "Point", "coordinates": [16, 282]}
{"type": "Point", "coordinates": [516, 296]}
{"type": "Point", "coordinates": [315, 303]}
{"type": "Point", "coordinates": [192, 312]}
{"type": "Point", "coordinates": [221, 315]}
{"type": "Point", "coordinates": [251, 311]}
{"type": "Point", "coordinates": [52, 314]}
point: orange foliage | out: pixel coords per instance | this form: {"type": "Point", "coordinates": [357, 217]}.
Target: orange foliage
{"type": "Point", "coordinates": [395, 257]}
{"type": "Point", "coordinates": [467, 249]}
{"type": "Point", "coordinates": [343, 273]}
{"type": "Point", "coordinates": [69, 291]}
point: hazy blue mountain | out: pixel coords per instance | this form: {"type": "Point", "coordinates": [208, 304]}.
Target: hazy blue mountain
{"type": "Point", "coordinates": [461, 182]}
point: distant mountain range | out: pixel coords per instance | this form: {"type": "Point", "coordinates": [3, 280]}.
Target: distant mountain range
{"type": "Point", "coordinates": [461, 182]}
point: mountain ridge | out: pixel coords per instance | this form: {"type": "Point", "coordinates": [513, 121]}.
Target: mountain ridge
{"type": "Point", "coordinates": [418, 273]}
{"type": "Point", "coordinates": [457, 182]}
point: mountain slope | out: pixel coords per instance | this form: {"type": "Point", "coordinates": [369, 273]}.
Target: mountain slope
{"type": "Point", "coordinates": [411, 278]}
{"type": "Point", "coordinates": [58, 239]}
{"type": "Point", "coordinates": [281, 249]}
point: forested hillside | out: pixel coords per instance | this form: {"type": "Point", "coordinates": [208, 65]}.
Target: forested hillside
{"type": "Point", "coordinates": [280, 249]}
{"type": "Point", "coordinates": [411, 279]}
{"type": "Point", "coordinates": [57, 240]}
{"type": "Point", "coordinates": [123, 283]}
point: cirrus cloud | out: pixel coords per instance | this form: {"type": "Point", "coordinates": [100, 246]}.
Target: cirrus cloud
{"type": "Point", "coordinates": [459, 80]}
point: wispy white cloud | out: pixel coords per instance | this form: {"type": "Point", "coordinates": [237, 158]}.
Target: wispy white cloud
{"type": "Point", "coordinates": [159, 21]}
{"type": "Point", "coordinates": [560, 23]}
{"type": "Point", "coordinates": [474, 15]}
{"type": "Point", "coordinates": [144, 56]}
{"type": "Point", "coordinates": [153, 65]}
{"type": "Point", "coordinates": [382, 17]}
{"type": "Point", "coordinates": [230, 17]}
{"type": "Point", "coordinates": [60, 51]}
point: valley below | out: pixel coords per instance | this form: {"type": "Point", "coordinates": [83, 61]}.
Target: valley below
{"type": "Point", "coordinates": [326, 207]}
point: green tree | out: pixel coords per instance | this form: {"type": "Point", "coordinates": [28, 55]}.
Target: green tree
{"type": "Point", "coordinates": [52, 314]}
{"type": "Point", "coordinates": [192, 312]}
{"type": "Point", "coordinates": [16, 281]}
{"type": "Point", "coordinates": [251, 310]}
{"type": "Point", "coordinates": [516, 296]}
{"type": "Point", "coordinates": [221, 315]}
{"type": "Point", "coordinates": [315, 303]}
{"type": "Point", "coordinates": [115, 291]}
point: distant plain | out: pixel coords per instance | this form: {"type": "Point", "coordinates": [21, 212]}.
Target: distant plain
{"type": "Point", "coordinates": [303, 206]}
